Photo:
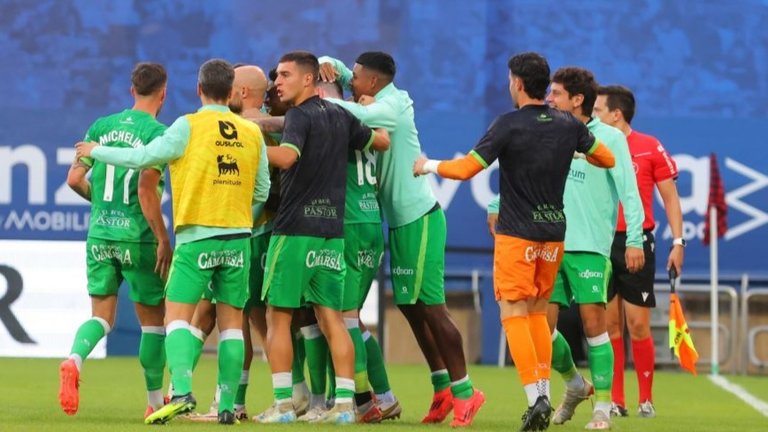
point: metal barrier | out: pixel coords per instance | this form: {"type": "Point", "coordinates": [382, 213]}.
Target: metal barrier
{"type": "Point", "coordinates": [729, 333]}
{"type": "Point", "coordinates": [750, 334]}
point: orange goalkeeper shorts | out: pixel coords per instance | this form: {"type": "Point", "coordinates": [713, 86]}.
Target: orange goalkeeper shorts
{"type": "Point", "coordinates": [524, 269]}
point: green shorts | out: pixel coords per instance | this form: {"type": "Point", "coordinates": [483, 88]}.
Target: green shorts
{"type": "Point", "coordinates": [417, 260]}
{"type": "Point", "coordinates": [218, 264]}
{"type": "Point", "coordinates": [582, 278]}
{"type": "Point", "coordinates": [110, 262]}
{"type": "Point", "coordinates": [303, 267]}
{"type": "Point", "coordinates": [259, 248]}
{"type": "Point", "coordinates": [363, 251]}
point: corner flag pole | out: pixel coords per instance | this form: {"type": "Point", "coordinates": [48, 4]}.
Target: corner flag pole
{"type": "Point", "coordinates": [714, 312]}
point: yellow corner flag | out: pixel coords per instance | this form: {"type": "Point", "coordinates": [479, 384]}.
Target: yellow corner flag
{"type": "Point", "coordinates": [680, 341]}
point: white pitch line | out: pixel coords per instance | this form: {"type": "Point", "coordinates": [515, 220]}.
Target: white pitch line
{"type": "Point", "coordinates": [741, 393]}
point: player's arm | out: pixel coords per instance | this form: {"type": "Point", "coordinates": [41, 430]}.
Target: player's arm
{"type": "Point", "coordinates": [295, 133]}
{"type": "Point", "coordinates": [485, 152]}
{"type": "Point", "coordinates": [625, 182]}
{"type": "Point", "coordinates": [263, 184]}
{"type": "Point", "coordinates": [76, 178]}
{"type": "Point", "coordinates": [600, 156]}
{"type": "Point", "coordinates": [332, 69]}
{"type": "Point", "coordinates": [380, 140]}
{"type": "Point", "coordinates": [270, 125]}
{"type": "Point", "coordinates": [149, 199]}
{"type": "Point", "coordinates": [668, 191]}
{"type": "Point", "coordinates": [167, 147]}
{"type": "Point", "coordinates": [493, 214]}
{"type": "Point", "coordinates": [284, 156]}
{"type": "Point", "coordinates": [458, 169]}
{"type": "Point", "coordinates": [379, 114]}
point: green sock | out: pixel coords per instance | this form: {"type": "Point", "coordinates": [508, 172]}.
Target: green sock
{"type": "Point", "coordinates": [152, 356]}
{"type": "Point", "coordinates": [87, 336]}
{"type": "Point", "coordinates": [377, 373]}
{"type": "Point", "coordinates": [440, 380]}
{"type": "Point", "coordinates": [231, 354]}
{"type": "Point", "coordinates": [282, 388]}
{"type": "Point", "coordinates": [562, 359]}
{"type": "Point", "coordinates": [601, 366]}
{"type": "Point", "coordinates": [344, 391]}
{"type": "Point", "coordinates": [463, 388]}
{"type": "Point", "coordinates": [361, 360]}
{"type": "Point", "coordinates": [316, 349]}
{"type": "Point", "coordinates": [197, 345]}
{"type": "Point", "coordinates": [178, 348]}
{"type": "Point", "coordinates": [331, 377]}
{"type": "Point", "coordinates": [299, 355]}
{"type": "Point", "coordinates": [242, 388]}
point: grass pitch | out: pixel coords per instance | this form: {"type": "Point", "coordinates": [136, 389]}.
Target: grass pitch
{"type": "Point", "coordinates": [113, 400]}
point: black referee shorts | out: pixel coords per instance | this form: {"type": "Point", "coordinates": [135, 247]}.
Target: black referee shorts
{"type": "Point", "coordinates": [636, 288]}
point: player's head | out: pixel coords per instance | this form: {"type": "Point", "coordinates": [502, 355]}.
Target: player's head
{"type": "Point", "coordinates": [214, 81]}
{"type": "Point", "coordinates": [329, 89]}
{"type": "Point", "coordinates": [573, 89]}
{"type": "Point", "coordinates": [149, 82]}
{"type": "Point", "coordinates": [373, 71]}
{"type": "Point", "coordinates": [528, 75]}
{"type": "Point", "coordinates": [249, 85]}
{"type": "Point", "coordinates": [275, 107]}
{"type": "Point", "coordinates": [297, 73]}
{"type": "Point", "coordinates": [615, 105]}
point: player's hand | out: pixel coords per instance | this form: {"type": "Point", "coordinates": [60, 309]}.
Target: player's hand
{"type": "Point", "coordinates": [164, 255]}
{"type": "Point", "coordinates": [676, 259]}
{"type": "Point", "coordinates": [635, 259]}
{"type": "Point", "coordinates": [366, 100]}
{"type": "Point", "coordinates": [418, 166]}
{"type": "Point", "coordinates": [493, 219]}
{"type": "Point", "coordinates": [328, 72]}
{"type": "Point", "coordinates": [83, 149]}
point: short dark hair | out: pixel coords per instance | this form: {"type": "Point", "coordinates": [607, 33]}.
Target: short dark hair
{"type": "Point", "coordinates": [237, 65]}
{"type": "Point", "coordinates": [336, 86]}
{"type": "Point", "coordinates": [216, 77]}
{"type": "Point", "coordinates": [273, 74]}
{"type": "Point", "coordinates": [147, 78]}
{"type": "Point", "coordinates": [619, 98]}
{"type": "Point", "coordinates": [305, 60]}
{"type": "Point", "coordinates": [578, 80]}
{"type": "Point", "coordinates": [533, 69]}
{"type": "Point", "coordinates": [378, 61]}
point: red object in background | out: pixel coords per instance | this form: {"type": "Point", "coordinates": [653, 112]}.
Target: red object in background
{"type": "Point", "coordinates": [716, 199]}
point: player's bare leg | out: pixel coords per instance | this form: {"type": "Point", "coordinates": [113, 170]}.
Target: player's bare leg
{"type": "Point", "coordinates": [343, 356]}
{"type": "Point", "coordinates": [442, 400]}
{"type": "Point", "coordinates": [280, 355]}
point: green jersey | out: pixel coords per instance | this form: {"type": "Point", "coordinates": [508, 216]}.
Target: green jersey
{"type": "Point", "coordinates": [592, 196]}
{"type": "Point", "coordinates": [115, 210]}
{"type": "Point", "coordinates": [361, 205]}
{"type": "Point", "coordinates": [404, 198]}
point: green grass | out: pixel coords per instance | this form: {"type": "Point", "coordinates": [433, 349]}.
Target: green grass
{"type": "Point", "coordinates": [757, 386]}
{"type": "Point", "coordinates": [113, 400]}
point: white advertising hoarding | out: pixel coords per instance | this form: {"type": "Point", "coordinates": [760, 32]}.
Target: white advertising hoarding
{"type": "Point", "coordinates": [43, 298]}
